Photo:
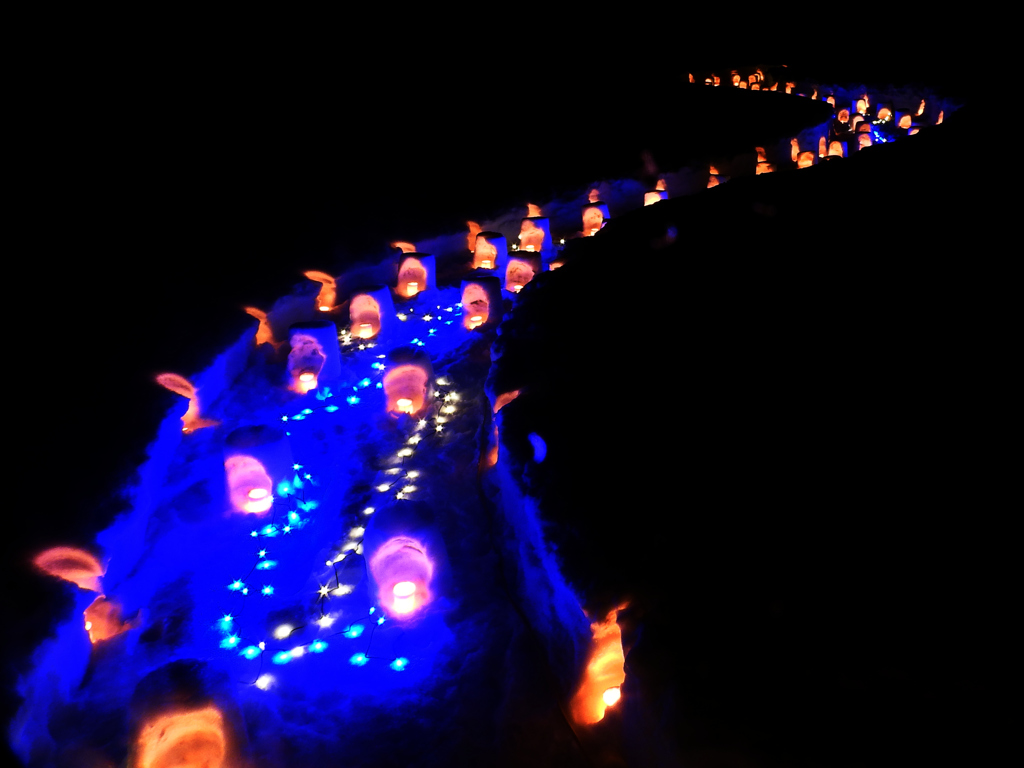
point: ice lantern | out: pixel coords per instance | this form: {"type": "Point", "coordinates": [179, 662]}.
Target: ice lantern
{"type": "Point", "coordinates": [315, 357]}
{"type": "Point", "coordinates": [415, 274]}
{"type": "Point", "coordinates": [489, 246]}
{"type": "Point", "coordinates": [253, 457]}
{"type": "Point", "coordinates": [657, 194]}
{"type": "Point", "coordinates": [407, 382]}
{"type": "Point", "coordinates": [370, 312]}
{"type": "Point", "coordinates": [481, 302]}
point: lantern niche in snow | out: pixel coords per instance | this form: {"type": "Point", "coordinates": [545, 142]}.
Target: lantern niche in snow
{"type": "Point", "coordinates": [657, 194]}
{"type": "Point", "coordinates": [488, 247]}
{"type": "Point", "coordinates": [314, 357]}
{"type": "Point", "coordinates": [370, 313]}
{"type": "Point", "coordinates": [407, 382]}
{"type": "Point", "coordinates": [183, 714]}
{"type": "Point", "coordinates": [535, 232]}
{"type": "Point", "coordinates": [264, 333]}
{"type": "Point", "coordinates": [595, 214]}
{"type": "Point", "coordinates": [253, 456]}
{"type": "Point", "coordinates": [517, 269]}
{"type": "Point", "coordinates": [402, 570]}
{"type": "Point", "coordinates": [481, 302]}
{"type": "Point", "coordinates": [415, 274]}
{"type": "Point", "coordinates": [328, 295]}
{"type": "Point", "coordinates": [604, 674]}
{"type": "Point", "coordinates": [103, 620]}
{"type": "Point", "coordinates": [474, 230]}
{"type": "Point", "coordinates": [191, 421]}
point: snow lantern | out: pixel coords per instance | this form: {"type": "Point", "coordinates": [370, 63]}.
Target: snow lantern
{"type": "Point", "coordinates": [407, 382]}
{"type": "Point", "coordinates": [314, 357]}
{"type": "Point", "coordinates": [517, 269]}
{"type": "Point", "coordinates": [328, 295]}
{"type": "Point", "coordinates": [71, 564]}
{"type": "Point", "coordinates": [603, 677]}
{"type": "Point", "coordinates": [253, 457]}
{"type": "Point", "coordinates": [535, 234]}
{"type": "Point", "coordinates": [191, 420]}
{"type": "Point", "coordinates": [370, 313]}
{"type": "Point", "coordinates": [415, 274]}
{"type": "Point", "coordinates": [264, 333]}
{"type": "Point", "coordinates": [805, 159]}
{"type": "Point", "coordinates": [481, 302]}
{"type": "Point", "coordinates": [182, 714]}
{"type": "Point", "coordinates": [103, 620]}
{"type": "Point", "coordinates": [474, 230]}
{"type": "Point", "coordinates": [404, 554]}
{"type": "Point", "coordinates": [863, 140]}
{"type": "Point", "coordinates": [489, 246]}
{"type": "Point", "coordinates": [835, 149]}
{"type": "Point", "coordinates": [594, 214]}
{"type": "Point", "coordinates": [657, 194]}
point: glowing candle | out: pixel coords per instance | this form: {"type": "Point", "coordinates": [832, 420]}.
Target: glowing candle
{"type": "Point", "coordinates": [487, 264]}
{"type": "Point", "coordinates": [611, 696]}
{"type": "Point", "coordinates": [413, 288]}
{"type": "Point", "coordinates": [517, 288]}
{"type": "Point", "coordinates": [405, 404]}
{"type": "Point", "coordinates": [405, 597]}
{"type": "Point", "coordinates": [365, 330]}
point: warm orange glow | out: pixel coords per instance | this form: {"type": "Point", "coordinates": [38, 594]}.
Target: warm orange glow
{"type": "Point", "coordinates": [593, 196]}
{"type": "Point", "coordinates": [660, 186]}
{"type": "Point", "coordinates": [716, 79]}
{"type": "Point", "coordinates": [531, 237]}
{"type": "Point", "coordinates": [843, 116]}
{"type": "Point", "coordinates": [814, 95]}
{"type": "Point", "coordinates": [364, 313]}
{"type": "Point", "coordinates": [742, 84]}
{"type": "Point", "coordinates": [884, 113]}
{"type": "Point", "coordinates": [593, 220]}
{"type": "Point", "coordinates": [712, 182]}
{"type": "Point", "coordinates": [938, 120]}
{"type": "Point", "coordinates": [920, 109]}
{"type": "Point", "coordinates": [263, 333]}
{"type": "Point", "coordinates": [735, 78]}
{"type": "Point", "coordinates": [474, 230]}
{"type": "Point", "coordinates": [611, 696]}
{"type": "Point", "coordinates": [761, 154]}
{"type": "Point", "coordinates": [805, 160]}
{"type": "Point", "coordinates": [835, 149]}
{"type": "Point", "coordinates": [691, 77]}
{"type": "Point", "coordinates": [863, 140]}
{"type": "Point", "coordinates": [405, 388]}
{"type": "Point", "coordinates": [412, 278]}
{"type": "Point", "coordinates": [406, 247]}
{"type": "Point", "coordinates": [533, 211]}
{"type": "Point", "coordinates": [402, 571]}
{"type": "Point", "coordinates": [181, 739]}
{"type": "Point", "coordinates": [794, 149]}
{"type": "Point", "coordinates": [504, 399]}
{"type": "Point", "coordinates": [518, 274]}
{"type": "Point", "coordinates": [250, 488]}
{"type": "Point", "coordinates": [605, 672]}
{"type": "Point", "coordinates": [103, 620]}
{"type": "Point", "coordinates": [712, 170]}
{"type": "Point", "coordinates": [71, 564]}
{"type": "Point", "coordinates": [822, 146]}
{"type": "Point", "coordinates": [764, 167]}
{"type": "Point", "coordinates": [790, 87]}
{"type": "Point", "coordinates": [831, 100]}
{"type": "Point", "coordinates": [326, 298]}
{"type": "Point", "coordinates": [191, 421]}
{"type": "Point", "coordinates": [650, 198]}
{"type": "Point", "coordinates": [775, 86]}
{"type": "Point", "coordinates": [904, 122]}
{"type": "Point", "coordinates": [485, 254]}
{"type": "Point", "coordinates": [861, 106]}
{"type": "Point", "coordinates": [755, 86]}
{"type": "Point", "coordinates": [856, 122]}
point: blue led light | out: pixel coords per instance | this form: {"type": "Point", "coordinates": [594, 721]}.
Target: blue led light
{"type": "Point", "coordinates": [250, 652]}
{"type": "Point", "coordinates": [266, 565]}
{"type": "Point", "coordinates": [364, 383]}
{"type": "Point", "coordinates": [306, 411]}
{"type": "Point", "coordinates": [282, 657]}
{"type": "Point", "coordinates": [269, 530]}
{"type": "Point", "coordinates": [236, 585]}
{"type": "Point", "coordinates": [380, 620]}
{"type": "Point", "coordinates": [284, 488]}
{"type": "Point", "coordinates": [354, 631]}
{"type": "Point", "coordinates": [262, 553]}
{"type": "Point", "coordinates": [267, 590]}
{"type": "Point", "coordinates": [317, 646]}
{"type": "Point", "coordinates": [358, 659]}
{"type": "Point", "coordinates": [298, 417]}
{"type": "Point", "coordinates": [296, 467]}
{"type": "Point", "coordinates": [331, 408]}
{"type": "Point", "coordinates": [379, 385]}
{"type": "Point", "coordinates": [399, 664]}
{"type": "Point", "coordinates": [351, 399]}
{"type": "Point", "coordinates": [229, 642]}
